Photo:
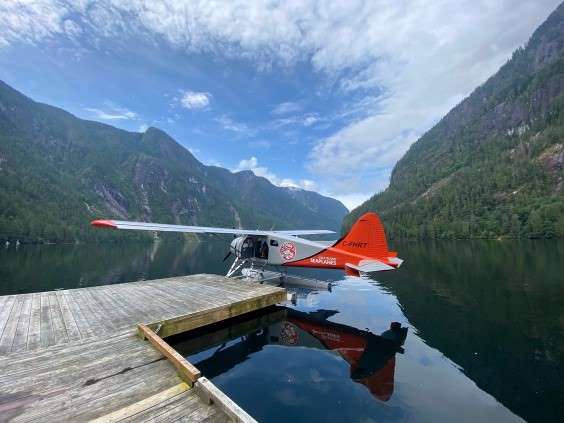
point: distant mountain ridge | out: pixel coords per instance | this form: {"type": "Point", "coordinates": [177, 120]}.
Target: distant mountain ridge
{"type": "Point", "coordinates": [58, 172]}
{"type": "Point", "coordinates": [494, 165]}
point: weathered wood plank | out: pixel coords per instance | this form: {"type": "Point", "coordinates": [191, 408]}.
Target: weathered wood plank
{"type": "Point", "coordinates": [191, 412]}
{"type": "Point", "coordinates": [22, 328]}
{"type": "Point", "coordinates": [102, 396]}
{"type": "Point", "coordinates": [85, 361]}
{"type": "Point", "coordinates": [5, 312]}
{"type": "Point", "coordinates": [175, 409]}
{"type": "Point", "coordinates": [80, 317]}
{"type": "Point", "coordinates": [135, 297]}
{"type": "Point", "coordinates": [34, 334]}
{"type": "Point", "coordinates": [143, 405]}
{"type": "Point", "coordinates": [69, 321]}
{"type": "Point", "coordinates": [57, 323]}
{"type": "Point", "coordinates": [10, 329]}
{"type": "Point", "coordinates": [195, 320]}
{"type": "Point", "coordinates": [187, 371]}
{"type": "Point", "coordinates": [6, 302]}
{"type": "Point", "coordinates": [93, 318]}
{"type": "Point", "coordinates": [171, 304]}
{"type": "Point", "coordinates": [121, 312]}
{"type": "Point", "coordinates": [47, 336]}
{"type": "Point", "coordinates": [64, 355]}
{"type": "Point", "coordinates": [210, 392]}
{"type": "Point", "coordinates": [104, 313]}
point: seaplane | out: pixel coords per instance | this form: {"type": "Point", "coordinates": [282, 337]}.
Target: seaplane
{"type": "Point", "coordinates": [363, 250]}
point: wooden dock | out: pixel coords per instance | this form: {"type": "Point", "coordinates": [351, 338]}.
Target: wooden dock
{"type": "Point", "coordinates": [97, 353]}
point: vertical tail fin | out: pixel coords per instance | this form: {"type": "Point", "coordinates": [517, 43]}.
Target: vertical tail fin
{"type": "Point", "coordinates": [367, 238]}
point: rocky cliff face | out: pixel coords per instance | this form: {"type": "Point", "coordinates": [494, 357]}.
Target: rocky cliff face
{"type": "Point", "coordinates": [492, 166]}
{"type": "Point", "coordinates": [58, 172]}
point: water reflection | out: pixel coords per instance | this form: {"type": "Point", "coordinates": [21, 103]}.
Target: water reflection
{"type": "Point", "coordinates": [34, 268]}
{"type": "Point", "coordinates": [486, 335]}
{"type": "Point", "coordinates": [371, 357]}
{"type": "Point", "coordinates": [336, 356]}
{"type": "Point", "coordinates": [497, 310]}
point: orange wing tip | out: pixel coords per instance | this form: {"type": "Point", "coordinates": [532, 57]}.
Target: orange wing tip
{"type": "Point", "coordinates": [104, 224]}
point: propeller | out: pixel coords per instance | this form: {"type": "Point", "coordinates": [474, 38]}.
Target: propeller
{"type": "Point", "coordinates": [227, 256]}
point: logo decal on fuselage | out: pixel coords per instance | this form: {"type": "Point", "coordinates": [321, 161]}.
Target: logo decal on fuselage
{"type": "Point", "coordinates": [288, 251]}
{"type": "Point", "coordinates": [328, 261]}
{"type": "Point", "coordinates": [288, 334]}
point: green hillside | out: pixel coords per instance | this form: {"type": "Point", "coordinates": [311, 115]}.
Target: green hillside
{"type": "Point", "coordinates": [58, 172]}
{"type": "Point", "coordinates": [494, 165]}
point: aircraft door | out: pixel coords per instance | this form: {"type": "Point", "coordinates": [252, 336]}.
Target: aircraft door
{"type": "Point", "coordinates": [262, 248]}
{"type": "Point", "coordinates": [248, 248]}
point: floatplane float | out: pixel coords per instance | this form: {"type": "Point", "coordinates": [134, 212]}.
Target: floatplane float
{"type": "Point", "coordinates": [363, 250]}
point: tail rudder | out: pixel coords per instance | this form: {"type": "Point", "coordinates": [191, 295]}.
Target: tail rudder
{"type": "Point", "coordinates": [367, 238]}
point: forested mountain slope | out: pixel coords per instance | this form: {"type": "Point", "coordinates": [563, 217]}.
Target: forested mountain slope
{"type": "Point", "coordinates": [494, 165]}
{"type": "Point", "coordinates": [58, 172]}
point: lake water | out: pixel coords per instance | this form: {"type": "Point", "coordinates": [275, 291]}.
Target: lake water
{"type": "Point", "coordinates": [480, 334]}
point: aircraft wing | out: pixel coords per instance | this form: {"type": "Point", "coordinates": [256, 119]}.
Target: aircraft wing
{"type": "Point", "coordinates": [303, 232]}
{"type": "Point", "coordinates": [146, 226]}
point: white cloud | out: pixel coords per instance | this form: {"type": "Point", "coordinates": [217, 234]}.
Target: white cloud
{"type": "Point", "coordinates": [307, 119]}
{"type": "Point", "coordinates": [285, 108]}
{"type": "Point", "coordinates": [112, 112]}
{"type": "Point", "coordinates": [143, 127]}
{"type": "Point", "coordinates": [252, 164]}
{"type": "Point", "coordinates": [195, 100]}
{"type": "Point", "coordinates": [407, 61]}
{"type": "Point", "coordinates": [231, 125]}
{"type": "Point", "coordinates": [310, 120]}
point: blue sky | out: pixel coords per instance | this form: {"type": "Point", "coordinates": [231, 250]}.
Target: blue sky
{"type": "Point", "coordinates": [322, 95]}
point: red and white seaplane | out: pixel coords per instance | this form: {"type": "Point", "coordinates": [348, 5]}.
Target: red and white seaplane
{"type": "Point", "coordinates": [363, 250]}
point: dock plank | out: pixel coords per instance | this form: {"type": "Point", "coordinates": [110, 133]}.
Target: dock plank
{"type": "Point", "coordinates": [10, 329]}
{"type": "Point", "coordinates": [94, 320]}
{"type": "Point", "coordinates": [5, 302]}
{"type": "Point", "coordinates": [22, 328]}
{"type": "Point", "coordinates": [74, 355]}
{"type": "Point", "coordinates": [34, 333]}
{"type": "Point", "coordinates": [47, 336]}
{"type": "Point", "coordinates": [5, 312]}
{"type": "Point", "coordinates": [104, 313]}
{"type": "Point", "coordinates": [69, 321]}
{"type": "Point", "coordinates": [57, 323]}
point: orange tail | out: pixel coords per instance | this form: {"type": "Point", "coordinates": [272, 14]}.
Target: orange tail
{"type": "Point", "coordinates": [367, 238]}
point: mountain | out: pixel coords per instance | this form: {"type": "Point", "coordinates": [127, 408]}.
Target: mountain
{"type": "Point", "coordinates": [494, 165]}
{"type": "Point", "coordinates": [58, 172]}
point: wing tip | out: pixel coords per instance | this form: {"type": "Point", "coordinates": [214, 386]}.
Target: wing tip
{"type": "Point", "coordinates": [102, 223]}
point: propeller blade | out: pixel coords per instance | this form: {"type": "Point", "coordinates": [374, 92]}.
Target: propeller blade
{"type": "Point", "coordinates": [226, 257]}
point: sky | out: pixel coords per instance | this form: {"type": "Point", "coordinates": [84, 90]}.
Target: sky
{"type": "Point", "coordinates": [322, 95]}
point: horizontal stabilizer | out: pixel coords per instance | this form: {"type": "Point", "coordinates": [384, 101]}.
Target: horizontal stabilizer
{"type": "Point", "coordinates": [395, 260]}
{"type": "Point", "coordinates": [368, 266]}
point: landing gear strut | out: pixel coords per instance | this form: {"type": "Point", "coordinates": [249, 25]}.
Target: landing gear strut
{"type": "Point", "coordinates": [237, 264]}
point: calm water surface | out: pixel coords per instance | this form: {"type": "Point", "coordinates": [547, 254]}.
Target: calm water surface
{"type": "Point", "coordinates": [480, 334]}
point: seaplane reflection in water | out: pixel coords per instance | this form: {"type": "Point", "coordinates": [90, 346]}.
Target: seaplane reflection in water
{"type": "Point", "coordinates": [371, 357]}
{"type": "Point", "coordinates": [363, 250]}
